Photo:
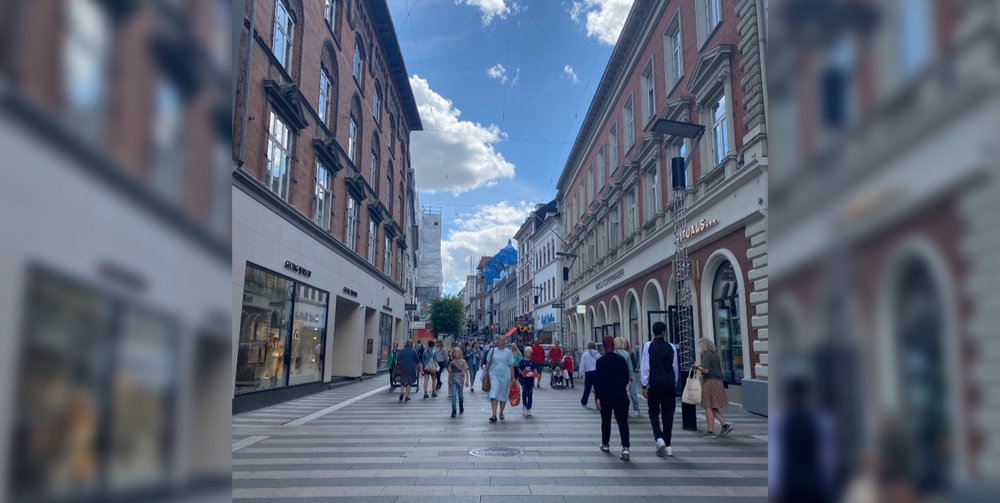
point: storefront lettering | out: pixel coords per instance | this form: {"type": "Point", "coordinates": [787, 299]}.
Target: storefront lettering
{"type": "Point", "coordinates": [698, 228]}
{"type": "Point", "coordinates": [348, 291]}
{"type": "Point", "coordinates": [298, 269]}
{"type": "Point", "coordinates": [547, 318]}
{"type": "Point", "coordinates": [615, 276]}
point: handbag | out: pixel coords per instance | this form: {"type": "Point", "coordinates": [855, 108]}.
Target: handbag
{"type": "Point", "coordinates": [514, 396]}
{"type": "Point", "coordinates": [486, 375]}
{"type": "Point", "coordinates": [692, 389]}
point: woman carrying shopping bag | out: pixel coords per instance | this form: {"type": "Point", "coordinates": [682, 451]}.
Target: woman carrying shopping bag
{"type": "Point", "coordinates": [713, 393]}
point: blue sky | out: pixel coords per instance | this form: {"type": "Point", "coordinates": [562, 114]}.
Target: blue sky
{"type": "Point", "coordinates": [502, 88]}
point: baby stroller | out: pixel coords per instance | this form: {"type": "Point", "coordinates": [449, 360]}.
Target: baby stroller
{"type": "Point", "coordinates": [558, 380]}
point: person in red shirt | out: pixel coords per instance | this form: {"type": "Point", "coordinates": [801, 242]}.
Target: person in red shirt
{"type": "Point", "coordinates": [555, 355]}
{"type": "Point", "coordinates": [568, 366]}
{"type": "Point", "coordinates": [538, 356]}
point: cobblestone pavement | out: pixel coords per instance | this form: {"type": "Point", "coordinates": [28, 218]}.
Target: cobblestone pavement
{"type": "Point", "coordinates": [360, 443]}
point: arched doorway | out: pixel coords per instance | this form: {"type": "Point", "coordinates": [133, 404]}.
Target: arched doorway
{"type": "Point", "coordinates": [615, 317]}
{"type": "Point", "coordinates": [634, 323]}
{"type": "Point", "coordinates": [653, 309]}
{"type": "Point", "coordinates": [591, 327]}
{"type": "Point", "coordinates": [727, 322]}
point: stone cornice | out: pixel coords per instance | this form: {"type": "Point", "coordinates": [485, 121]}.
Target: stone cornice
{"type": "Point", "coordinates": [710, 62]}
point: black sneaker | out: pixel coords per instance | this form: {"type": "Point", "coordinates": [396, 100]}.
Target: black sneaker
{"type": "Point", "coordinates": [725, 430]}
{"type": "Point", "coordinates": [433, 395]}
{"type": "Point", "coordinates": [407, 399]}
{"type": "Point", "coordinates": [624, 453]}
{"type": "Point", "coordinates": [461, 410]}
{"type": "Point", "coordinates": [400, 397]}
{"type": "Point", "coordinates": [425, 395]}
{"type": "Point", "coordinates": [453, 413]}
{"type": "Point", "coordinates": [605, 448]}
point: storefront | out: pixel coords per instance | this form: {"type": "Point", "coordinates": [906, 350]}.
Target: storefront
{"type": "Point", "coordinates": [282, 332]}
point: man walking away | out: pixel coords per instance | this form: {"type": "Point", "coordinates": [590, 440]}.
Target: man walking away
{"type": "Point", "coordinates": [588, 367]}
{"type": "Point", "coordinates": [611, 389]}
{"type": "Point", "coordinates": [659, 384]}
{"type": "Point", "coordinates": [538, 356]}
{"type": "Point", "coordinates": [555, 358]}
{"type": "Point", "coordinates": [419, 348]}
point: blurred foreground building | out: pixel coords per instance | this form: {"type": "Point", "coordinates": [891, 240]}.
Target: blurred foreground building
{"type": "Point", "coordinates": [697, 62]}
{"type": "Point", "coordinates": [884, 228]}
{"type": "Point", "coordinates": [322, 197]}
{"type": "Point", "coordinates": [115, 215]}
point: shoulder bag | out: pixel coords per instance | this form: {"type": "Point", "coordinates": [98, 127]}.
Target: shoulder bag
{"type": "Point", "coordinates": [692, 389]}
{"type": "Point", "coordinates": [486, 375]}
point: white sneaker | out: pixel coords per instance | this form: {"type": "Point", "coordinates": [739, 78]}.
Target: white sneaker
{"type": "Point", "coordinates": [661, 447]}
{"type": "Point", "coordinates": [529, 412]}
{"type": "Point", "coordinates": [670, 451]}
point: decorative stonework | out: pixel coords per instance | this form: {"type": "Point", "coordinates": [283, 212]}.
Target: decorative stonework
{"type": "Point", "coordinates": [750, 63]}
{"type": "Point", "coordinates": [756, 234]}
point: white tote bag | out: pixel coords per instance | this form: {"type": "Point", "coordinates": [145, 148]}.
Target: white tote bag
{"type": "Point", "coordinates": [692, 389]}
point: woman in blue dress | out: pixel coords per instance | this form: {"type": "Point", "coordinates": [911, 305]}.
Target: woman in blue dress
{"type": "Point", "coordinates": [500, 365]}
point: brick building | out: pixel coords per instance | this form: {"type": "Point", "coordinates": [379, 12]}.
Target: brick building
{"type": "Point", "coordinates": [699, 62]}
{"type": "Point", "coordinates": [322, 199]}
{"type": "Point", "coordinates": [115, 211]}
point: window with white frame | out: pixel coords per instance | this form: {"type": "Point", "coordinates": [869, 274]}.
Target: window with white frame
{"type": "Point", "coordinates": [352, 140]}
{"type": "Point", "coordinates": [330, 14]}
{"type": "Point", "coordinates": [351, 233]}
{"type": "Point", "coordinates": [388, 190]}
{"type": "Point", "coordinates": [713, 14]}
{"type": "Point", "coordinates": [323, 197]}
{"type": "Point", "coordinates": [628, 116]}
{"type": "Point", "coordinates": [652, 193]}
{"type": "Point", "coordinates": [284, 28]}
{"type": "Point", "coordinates": [168, 131]}
{"type": "Point", "coordinates": [630, 220]}
{"type": "Point", "coordinates": [648, 94]}
{"type": "Point", "coordinates": [720, 133]}
{"type": "Point", "coordinates": [674, 51]}
{"type": "Point", "coordinates": [590, 184]}
{"type": "Point", "coordinates": [376, 105]}
{"type": "Point", "coordinates": [600, 167]}
{"type": "Point", "coordinates": [373, 169]}
{"type": "Point", "coordinates": [356, 67]}
{"type": "Point", "coordinates": [86, 56]}
{"type": "Point", "coordinates": [387, 258]}
{"type": "Point", "coordinates": [613, 148]}
{"type": "Point", "coordinates": [279, 157]}
{"type": "Point", "coordinates": [325, 94]}
{"type": "Point", "coordinates": [372, 240]}
{"type": "Point", "coordinates": [602, 242]}
{"type": "Point", "coordinates": [613, 228]}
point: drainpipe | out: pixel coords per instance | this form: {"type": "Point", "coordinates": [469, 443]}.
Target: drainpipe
{"type": "Point", "coordinates": [246, 85]}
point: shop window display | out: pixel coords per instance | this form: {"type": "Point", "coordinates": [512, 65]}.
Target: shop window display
{"type": "Point", "coordinates": [726, 313]}
{"type": "Point", "coordinates": [385, 339]}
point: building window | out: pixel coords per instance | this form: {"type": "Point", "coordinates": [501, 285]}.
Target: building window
{"type": "Point", "coordinates": [373, 169]}
{"type": "Point", "coordinates": [603, 240]}
{"type": "Point", "coordinates": [323, 197]}
{"type": "Point", "coordinates": [720, 134]}
{"type": "Point", "coordinates": [388, 191]}
{"type": "Point", "coordinates": [372, 239]}
{"type": "Point", "coordinates": [600, 167]}
{"type": "Point", "coordinates": [351, 233]}
{"type": "Point", "coordinates": [279, 158]}
{"type": "Point", "coordinates": [613, 144]}
{"type": "Point", "coordinates": [726, 313]}
{"type": "Point", "coordinates": [85, 66]}
{"type": "Point", "coordinates": [630, 222]}
{"type": "Point", "coordinates": [675, 53]}
{"type": "Point", "coordinates": [375, 105]}
{"type": "Point", "coordinates": [392, 133]}
{"type": "Point", "coordinates": [648, 93]}
{"type": "Point", "coordinates": [352, 140]}
{"type": "Point", "coordinates": [325, 89]}
{"type": "Point", "coordinates": [713, 11]}
{"type": "Point", "coordinates": [387, 259]}
{"type": "Point", "coordinates": [613, 228]}
{"type": "Point", "coordinates": [653, 194]}
{"type": "Point", "coordinates": [284, 27]}
{"type": "Point", "coordinates": [590, 184]}
{"type": "Point", "coordinates": [915, 35]}
{"type": "Point", "coordinates": [356, 68]}
{"type": "Point", "coordinates": [168, 148]}
{"type": "Point", "coordinates": [628, 114]}
{"type": "Point", "coordinates": [330, 14]}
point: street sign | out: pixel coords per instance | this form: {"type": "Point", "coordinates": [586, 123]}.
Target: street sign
{"type": "Point", "coordinates": [558, 305]}
{"type": "Point", "coordinates": [410, 307]}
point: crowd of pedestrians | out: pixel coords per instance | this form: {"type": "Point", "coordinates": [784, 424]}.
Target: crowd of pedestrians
{"type": "Point", "coordinates": [610, 377]}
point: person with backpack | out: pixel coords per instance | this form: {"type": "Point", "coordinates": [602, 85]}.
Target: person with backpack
{"type": "Point", "coordinates": [659, 373]}
{"type": "Point", "coordinates": [610, 385]}
{"type": "Point", "coordinates": [430, 366]}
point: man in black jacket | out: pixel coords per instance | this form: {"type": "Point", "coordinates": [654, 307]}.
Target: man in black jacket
{"type": "Point", "coordinates": [658, 370]}
{"type": "Point", "coordinates": [611, 389]}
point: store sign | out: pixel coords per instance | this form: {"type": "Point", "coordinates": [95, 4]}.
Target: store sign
{"type": "Point", "coordinates": [410, 307]}
{"type": "Point", "coordinates": [547, 318]}
{"type": "Point", "coordinates": [349, 292]}
{"type": "Point", "coordinates": [418, 325]}
{"type": "Point", "coordinates": [298, 269]}
{"type": "Point", "coordinates": [695, 229]}
{"type": "Point", "coordinates": [615, 276]}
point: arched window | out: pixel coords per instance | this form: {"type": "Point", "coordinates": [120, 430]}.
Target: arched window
{"type": "Point", "coordinates": [377, 103]}
{"type": "Point", "coordinates": [726, 315]}
{"type": "Point", "coordinates": [633, 320]}
{"type": "Point", "coordinates": [355, 130]}
{"type": "Point", "coordinates": [329, 86]}
{"type": "Point", "coordinates": [392, 133]}
{"type": "Point", "coordinates": [283, 34]}
{"type": "Point", "coordinates": [358, 63]}
{"type": "Point", "coordinates": [373, 170]}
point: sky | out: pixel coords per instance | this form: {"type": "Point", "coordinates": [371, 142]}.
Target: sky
{"type": "Point", "coordinates": [502, 87]}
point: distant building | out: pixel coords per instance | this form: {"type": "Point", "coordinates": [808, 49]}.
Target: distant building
{"type": "Point", "coordinates": [546, 242]}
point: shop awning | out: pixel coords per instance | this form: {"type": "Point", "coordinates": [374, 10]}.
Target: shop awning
{"type": "Point", "coordinates": [511, 331]}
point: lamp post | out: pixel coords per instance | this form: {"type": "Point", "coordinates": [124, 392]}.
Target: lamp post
{"type": "Point", "coordinates": [684, 324]}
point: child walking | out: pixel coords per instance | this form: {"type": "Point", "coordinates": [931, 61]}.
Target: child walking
{"type": "Point", "coordinates": [527, 371]}
{"type": "Point", "coordinates": [458, 376]}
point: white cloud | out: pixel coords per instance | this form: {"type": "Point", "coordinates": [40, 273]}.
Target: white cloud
{"type": "Point", "coordinates": [517, 76]}
{"type": "Point", "coordinates": [493, 8]}
{"type": "Point", "coordinates": [605, 18]}
{"type": "Point", "coordinates": [497, 71]}
{"type": "Point", "coordinates": [483, 231]}
{"type": "Point", "coordinates": [568, 70]}
{"type": "Point", "coordinates": [451, 154]}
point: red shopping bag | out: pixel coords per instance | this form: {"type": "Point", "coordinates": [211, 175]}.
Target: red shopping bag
{"type": "Point", "coordinates": [514, 397]}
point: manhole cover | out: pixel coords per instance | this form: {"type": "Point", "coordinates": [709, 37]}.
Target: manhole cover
{"type": "Point", "coordinates": [497, 452]}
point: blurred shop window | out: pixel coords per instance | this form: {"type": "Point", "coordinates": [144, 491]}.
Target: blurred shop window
{"type": "Point", "coordinates": [95, 392]}
{"type": "Point", "coordinates": [308, 335]}
{"type": "Point", "coordinates": [168, 142]}
{"type": "Point", "coordinates": [916, 35]}
{"type": "Point", "coordinates": [85, 64]}
{"type": "Point", "coordinates": [728, 333]}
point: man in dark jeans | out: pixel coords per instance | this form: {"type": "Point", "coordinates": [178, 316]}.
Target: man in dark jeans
{"type": "Point", "coordinates": [659, 384]}
{"type": "Point", "coordinates": [611, 389]}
